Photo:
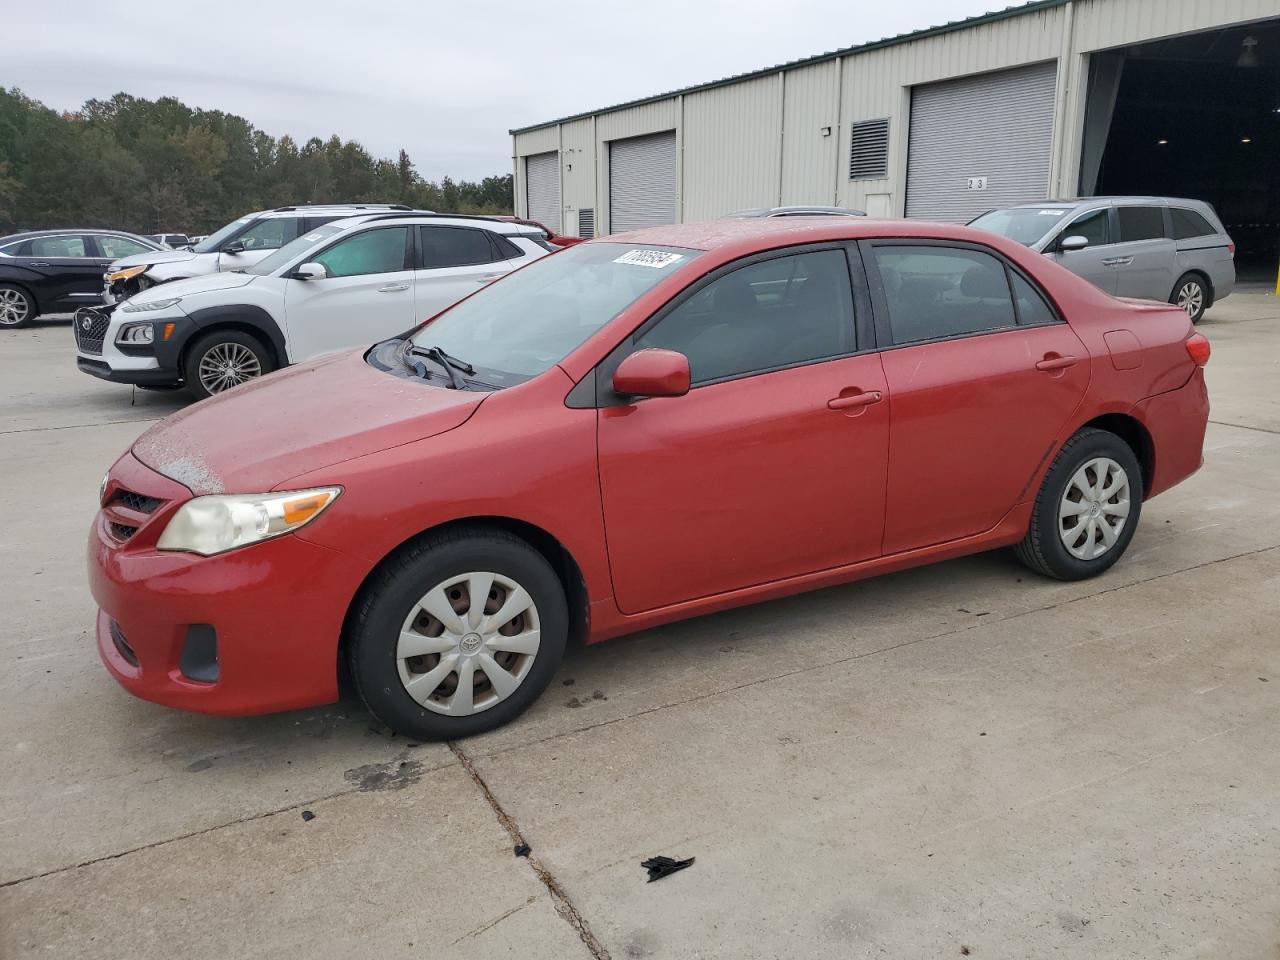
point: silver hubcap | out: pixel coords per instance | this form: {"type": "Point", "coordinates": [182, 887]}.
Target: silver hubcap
{"type": "Point", "coordinates": [1094, 508]}
{"type": "Point", "coordinates": [226, 365]}
{"type": "Point", "coordinates": [13, 307]}
{"type": "Point", "coordinates": [468, 643]}
{"type": "Point", "coordinates": [1191, 297]}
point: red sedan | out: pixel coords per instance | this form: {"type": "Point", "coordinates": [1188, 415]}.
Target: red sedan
{"type": "Point", "coordinates": [637, 430]}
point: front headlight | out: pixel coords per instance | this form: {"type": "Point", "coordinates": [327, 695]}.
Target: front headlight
{"type": "Point", "coordinates": [136, 333]}
{"type": "Point", "coordinates": [125, 274]}
{"type": "Point", "coordinates": [131, 307]}
{"type": "Point", "coordinates": [209, 525]}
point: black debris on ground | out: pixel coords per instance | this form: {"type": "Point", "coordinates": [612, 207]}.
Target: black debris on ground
{"type": "Point", "coordinates": [307, 815]}
{"type": "Point", "coordinates": [522, 850]}
{"type": "Point", "coordinates": [598, 695]}
{"type": "Point", "coordinates": [568, 681]}
{"type": "Point", "coordinates": [660, 867]}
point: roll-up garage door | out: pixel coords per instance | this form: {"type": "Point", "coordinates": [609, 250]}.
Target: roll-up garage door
{"type": "Point", "coordinates": [542, 186]}
{"type": "Point", "coordinates": [642, 182]}
{"type": "Point", "coordinates": [979, 143]}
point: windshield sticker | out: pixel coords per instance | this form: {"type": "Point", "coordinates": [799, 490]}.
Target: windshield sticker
{"type": "Point", "coordinates": [650, 258]}
{"type": "Point", "coordinates": [1052, 213]}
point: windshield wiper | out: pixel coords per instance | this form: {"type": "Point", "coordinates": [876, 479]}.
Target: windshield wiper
{"type": "Point", "coordinates": [451, 365]}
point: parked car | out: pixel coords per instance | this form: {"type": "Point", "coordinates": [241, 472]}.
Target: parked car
{"type": "Point", "coordinates": [343, 283]}
{"type": "Point", "coordinates": [635, 430]}
{"type": "Point", "coordinates": [1156, 248]}
{"type": "Point", "coordinates": [239, 244]}
{"type": "Point", "coordinates": [557, 240]}
{"type": "Point", "coordinates": [797, 210]}
{"type": "Point", "coordinates": [55, 271]}
{"type": "Point", "coordinates": [171, 241]}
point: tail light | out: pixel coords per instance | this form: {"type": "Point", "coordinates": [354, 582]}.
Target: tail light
{"type": "Point", "coordinates": [1231, 249]}
{"type": "Point", "coordinates": [1198, 348]}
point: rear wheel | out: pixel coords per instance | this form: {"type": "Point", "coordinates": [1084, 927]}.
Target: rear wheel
{"type": "Point", "coordinates": [1087, 508]}
{"type": "Point", "coordinates": [224, 359]}
{"type": "Point", "coordinates": [1192, 295]}
{"type": "Point", "coordinates": [17, 309]}
{"type": "Point", "coordinates": [458, 634]}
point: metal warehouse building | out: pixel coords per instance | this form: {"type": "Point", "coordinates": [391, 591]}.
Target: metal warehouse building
{"type": "Point", "coordinates": [1054, 98]}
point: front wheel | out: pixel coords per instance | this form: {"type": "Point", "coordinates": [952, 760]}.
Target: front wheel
{"type": "Point", "coordinates": [457, 635]}
{"type": "Point", "coordinates": [224, 359]}
{"type": "Point", "coordinates": [1087, 508]}
{"type": "Point", "coordinates": [1191, 295]}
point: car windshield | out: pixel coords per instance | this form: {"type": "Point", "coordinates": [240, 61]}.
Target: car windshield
{"type": "Point", "coordinates": [294, 248]}
{"type": "Point", "coordinates": [532, 319]}
{"type": "Point", "coordinates": [211, 243]}
{"type": "Point", "coordinates": [1027, 225]}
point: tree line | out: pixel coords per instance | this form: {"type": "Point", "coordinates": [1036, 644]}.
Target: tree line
{"type": "Point", "coordinates": [154, 166]}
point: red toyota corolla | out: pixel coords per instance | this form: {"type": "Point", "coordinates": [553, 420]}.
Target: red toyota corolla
{"type": "Point", "coordinates": [637, 430]}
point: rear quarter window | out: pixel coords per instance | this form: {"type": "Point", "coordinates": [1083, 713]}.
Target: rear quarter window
{"type": "Point", "coordinates": [1188, 224]}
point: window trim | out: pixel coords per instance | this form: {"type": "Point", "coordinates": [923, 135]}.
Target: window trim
{"type": "Point", "coordinates": [884, 331]}
{"type": "Point", "coordinates": [420, 264]}
{"type": "Point", "coordinates": [405, 264]}
{"type": "Point", "coordinates": [601, 376]}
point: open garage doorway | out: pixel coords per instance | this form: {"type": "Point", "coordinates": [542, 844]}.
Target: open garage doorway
{"type": "Point", "coordinates": [1194, 116]}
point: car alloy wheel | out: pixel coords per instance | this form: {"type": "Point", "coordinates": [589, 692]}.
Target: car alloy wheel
{"type": "Point", "coordinates": [13, 308]}
{"type": "Point", "coordinates": [1191, 298]}
{"type": "Point", "coordinates": [1094, 508]}
{"type": "Point", "coordinates": [468, 643]}
{"type": "Point", "coordinates": [227, 365]}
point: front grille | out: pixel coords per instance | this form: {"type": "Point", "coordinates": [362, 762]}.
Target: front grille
{"type": "Point", "coordinates": [90, 327]}
{"type": "Point", "coordinates": [138, 501]}
{"type": "Point", "coordinates": [122, 645]}
{"type": "Point", "coordinates": [121, 531]}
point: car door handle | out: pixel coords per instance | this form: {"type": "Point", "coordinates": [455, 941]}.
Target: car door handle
{"type": "Point", "coordinates": [393, 288]}
{"type": "Point", "coordinates": [1055, 363]}
{"type": "Point", "coordinates": [1117, 261]}
{"type": "Point", "coordinates": [40, 263]}
{"type": "Point", "coordinates": [855, 400]}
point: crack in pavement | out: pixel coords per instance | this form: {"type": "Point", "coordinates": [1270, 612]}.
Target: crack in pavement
{"type": "Point", "coordinates": [563, 905]}
{"type": "Point", "coordinates": [870, 653]}
{"type": "Point", "coordinates": [79, 426]}
{"type": "Point", "coordinates": [1245, 426]}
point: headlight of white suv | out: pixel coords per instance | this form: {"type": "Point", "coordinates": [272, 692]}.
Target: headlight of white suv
{"type": "Point", "coordinates": [131, 307]}
{"type": "Point", "coordinates": [136, 333]}
{"type": "Point", "coordinates": [213, 524]}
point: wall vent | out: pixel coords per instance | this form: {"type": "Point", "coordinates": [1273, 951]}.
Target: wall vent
{"type": "Point", "coordinates": [869, 149]}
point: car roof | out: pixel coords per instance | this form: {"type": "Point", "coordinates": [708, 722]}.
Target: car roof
{"type": "Point", "coordinates": [65, 231]}
{"type": "Point", "coordinates": [497, 225]}
{"type": "Point", "coordinates": [1082, 201]}
{"type": "Point", "coordinates": [308, 209]}
{"type": "Point", "coordinates": [766, 233]}
{"type": "Point", "coordinates": [796, 210]}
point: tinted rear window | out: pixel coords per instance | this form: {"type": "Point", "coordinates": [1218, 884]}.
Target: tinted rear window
{"type": "Point", "coordinates": [1140, 223]}
{"type": "Point", "coordinates": [1188, 224]}
{"type": "Point", "coordinates": [455, 247]}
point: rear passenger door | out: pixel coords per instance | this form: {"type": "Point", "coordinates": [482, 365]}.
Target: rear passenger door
{"type": "Point", "coordinates": [454, 262]}
{"type": "Point", "coordinates": [1146, 257]}
{"type": "Point", "coordinates": [982, 376]}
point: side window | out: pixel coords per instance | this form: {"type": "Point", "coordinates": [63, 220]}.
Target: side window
{"type": "Point", "coordinates": [783, 311]}
{"type": "Point", "coordinates": [937, 292]}
{"type": "Point", "coordinates": [1031, 304]}
{"type": "Point", "coordinates": [270, 234]}
{"type": "Point", "coordinates": [374, 251]}
{"type": "Point", "coordinates": [1095, 227]}
{"type": "Point", "coordinates": [1188, 224]}
{"type": "Point", "coordinates": [1140, 223]}
{"type": "Point", "coordinates": [114, 247]}
{"type": "Point", "coordinates": [455, 247]}
{"type": "Point", "coordinates": [58, 247]}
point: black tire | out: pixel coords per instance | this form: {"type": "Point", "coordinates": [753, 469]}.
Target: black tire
{"type": "Point", "coordinates": [225, 340]}
{"type": "Point", "coordinates": [17, 307]}
{"type": "Point", "coordinates": [1193, 287]}
{"type": "Point", "coordinates": [395, 590]}
{"type": "Point", "coordinates": [1043, 549]}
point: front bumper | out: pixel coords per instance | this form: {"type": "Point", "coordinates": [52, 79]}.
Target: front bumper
{"type": "Point", "coordinates": [273, 610]}
{"type": "Point", "coordinates": [155, 364]}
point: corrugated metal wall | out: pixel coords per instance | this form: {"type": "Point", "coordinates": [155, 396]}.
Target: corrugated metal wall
{"type": "Point", "coordinates": [754, 143]}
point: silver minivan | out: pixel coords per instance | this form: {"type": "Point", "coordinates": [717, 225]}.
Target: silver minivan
{"type": "Point", "coordinates": [1156, 248]}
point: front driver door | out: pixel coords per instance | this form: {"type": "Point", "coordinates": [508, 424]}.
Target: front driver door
{"type": "Point", "coordinates": [366, 295]}
{"type": "Point", "coordinates": [773, 465]}
{"type": "Point", "coordinates": [1094, 262]}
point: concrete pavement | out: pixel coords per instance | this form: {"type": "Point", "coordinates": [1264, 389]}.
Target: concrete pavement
{"type": "Point", "coordinates": [961, 757]}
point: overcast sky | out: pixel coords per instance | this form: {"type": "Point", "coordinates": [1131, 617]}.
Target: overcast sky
{"type": "Point", "coordinates": [443, 80]}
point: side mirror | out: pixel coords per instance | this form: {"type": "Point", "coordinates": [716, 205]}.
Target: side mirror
{"type": "Point", "coordinates": [235, 246]}
{"type": "Point", "coordinates": [1075, 242]}
{"type": "Point", "coordinates": [309, 271]}
{"type": "Point", "coordinates": [653, 373]}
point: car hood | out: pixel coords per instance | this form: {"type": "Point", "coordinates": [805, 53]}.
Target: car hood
{"type": "Point", "coordinates": [257, 437]}
{"type": "Point", "coordinates": [209, 283]}
{"type": "Point", "coordinates": [150, 257]}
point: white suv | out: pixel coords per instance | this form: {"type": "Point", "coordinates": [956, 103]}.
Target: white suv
{"type": "Point", "coordinates": [341, 285]}
{"type": "Point", "coordinates": [239, 244]}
